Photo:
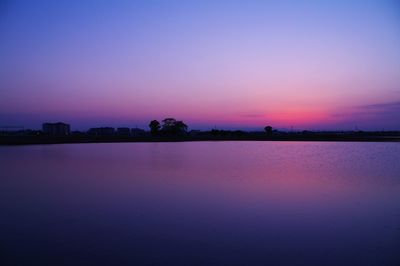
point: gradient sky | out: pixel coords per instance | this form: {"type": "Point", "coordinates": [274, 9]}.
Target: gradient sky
{"type": "Point", "coordinates": [229, 64]}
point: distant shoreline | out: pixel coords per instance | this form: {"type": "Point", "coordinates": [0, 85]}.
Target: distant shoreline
{"type": "Point", "coordinates": [32, 140]}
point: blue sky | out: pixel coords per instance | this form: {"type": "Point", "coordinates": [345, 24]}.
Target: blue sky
{"type": "Point", "coordinates": [307, 64]}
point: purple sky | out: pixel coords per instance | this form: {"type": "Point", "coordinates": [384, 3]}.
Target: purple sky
{"type": "Point", "coordinates": [229, 64]}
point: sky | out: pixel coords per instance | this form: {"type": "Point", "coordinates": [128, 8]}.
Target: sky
{"type": "Point", "coordinates": [317, 65]}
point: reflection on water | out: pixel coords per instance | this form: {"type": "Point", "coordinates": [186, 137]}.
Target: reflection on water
{"type": "Point", "coordinates": [201, 203]}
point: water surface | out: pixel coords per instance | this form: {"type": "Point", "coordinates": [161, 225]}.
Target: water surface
{"type": "Point", "coordinates": [201, 203]}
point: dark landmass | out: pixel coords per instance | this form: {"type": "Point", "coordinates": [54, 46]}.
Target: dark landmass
{"type": "Point", "coordinates": [172, 130]}
{"type": "Point", "coordinates": [36, 137]}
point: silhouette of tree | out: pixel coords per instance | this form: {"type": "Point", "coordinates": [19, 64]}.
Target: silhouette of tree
{"type": "Point", "coordinates": [168, 124]}
{"type": "Point", "coordinates": [268, 129]}
{"type": "Point", "coordinates": [180, 126]}
{"type": "Point", "coordinates": [154, 127]}
{"type": "Point", "coordinates": [172, 126]}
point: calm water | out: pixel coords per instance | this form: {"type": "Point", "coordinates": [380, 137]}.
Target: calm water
{"type": "Point", "coordinates": [201, 203]}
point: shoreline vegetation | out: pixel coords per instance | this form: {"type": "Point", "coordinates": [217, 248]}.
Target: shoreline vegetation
{"type": "Point", "coordinates": [172, 130]}
{"type": "Point", "coordinates": [222, 135]}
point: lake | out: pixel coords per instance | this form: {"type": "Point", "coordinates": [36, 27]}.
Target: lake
{"type": "Point", "coordinates": [201, 203]}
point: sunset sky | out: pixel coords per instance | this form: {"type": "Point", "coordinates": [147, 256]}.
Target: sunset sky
{"type": "Point", "coordinates": [225, 64]}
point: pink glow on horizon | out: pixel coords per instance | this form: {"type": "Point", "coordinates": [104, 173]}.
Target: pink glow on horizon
{"type": "Point", "coordinates": [308, 65]}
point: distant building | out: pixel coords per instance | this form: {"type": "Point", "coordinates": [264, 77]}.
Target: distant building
{"type": "Point", "coordinates": [123, 131]}
{"type": "Point", "coordinates": [56, 129]}
{"type": "Point", "coordinates": [194, 132]}
{"type": "Point", "coordinates": [12, 130]}
{"type": "Point", "coordinates": [138, 132]}
{"type": "Point", "coordinates": [101, 131]}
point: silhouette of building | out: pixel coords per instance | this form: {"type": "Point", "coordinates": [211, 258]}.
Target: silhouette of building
{"type": "Point", "coordinates": [123, 131]}
{"type": "Point", "coordinates": [195, 132]}
{"type": "Point", "coordinates": [101, 131]}
{"type": "Point", "coordinates": [138, 132]}
{"type": "Point", "coordinates": [56, 129]}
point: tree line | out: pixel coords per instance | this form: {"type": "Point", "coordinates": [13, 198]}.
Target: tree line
{"type": "Point", "coordinates": [171, 126]}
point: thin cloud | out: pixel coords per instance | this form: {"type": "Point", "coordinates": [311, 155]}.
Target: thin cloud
{"type": "Point", "coordinates": [371, 109]}
{"type": "Point", "coordinates": [382, 106]}
{"type": "Point", "coordinates": [372, 116]}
